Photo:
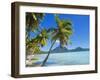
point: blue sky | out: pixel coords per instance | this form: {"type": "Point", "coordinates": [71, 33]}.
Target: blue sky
{"type": "Point", "coordinates": [80, 25]}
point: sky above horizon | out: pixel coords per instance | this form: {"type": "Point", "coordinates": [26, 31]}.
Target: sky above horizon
{"type": "Point", "coordinates": [80, 26]}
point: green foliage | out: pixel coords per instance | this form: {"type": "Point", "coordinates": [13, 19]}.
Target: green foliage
{"type": "Point", "coordinates": [32, 47]}
{"type": "Point", "coordinates": [33, 20]}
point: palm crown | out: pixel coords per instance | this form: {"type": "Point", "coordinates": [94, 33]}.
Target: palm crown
{"type": "Point", "coordinates": [63, 31]}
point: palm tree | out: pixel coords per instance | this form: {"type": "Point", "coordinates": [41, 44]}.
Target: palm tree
{"type": "Point", "coordinates": [32, 22]}
{"type": "Point", "coordinates": [62, 33]}
{"type": "Point", "coordinates": [39, 41]}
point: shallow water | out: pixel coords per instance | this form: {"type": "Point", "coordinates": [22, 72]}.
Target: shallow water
{"type": "Point", "coordinates": [69, 58]}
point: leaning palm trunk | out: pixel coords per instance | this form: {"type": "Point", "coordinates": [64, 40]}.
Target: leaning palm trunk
{"type": "Point", "coordinates": [45, 60]}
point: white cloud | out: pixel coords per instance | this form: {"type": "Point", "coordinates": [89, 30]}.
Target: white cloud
{"type": "Point", "coordinates": [57, 41]}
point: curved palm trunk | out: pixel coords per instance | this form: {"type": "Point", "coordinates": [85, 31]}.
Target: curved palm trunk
{"type": "Point", "coordinates": [45, 60]}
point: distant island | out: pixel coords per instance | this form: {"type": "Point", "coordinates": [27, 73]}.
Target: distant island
{"type": "Point", "coordinates": [62, 50]}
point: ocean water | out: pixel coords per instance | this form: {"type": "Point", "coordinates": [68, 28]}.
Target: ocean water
{"type": "Point", "coordinates": [69, 58]}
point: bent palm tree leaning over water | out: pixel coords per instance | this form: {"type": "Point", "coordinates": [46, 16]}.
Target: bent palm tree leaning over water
{"type": "Point", "coordinates": [61, 33]}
